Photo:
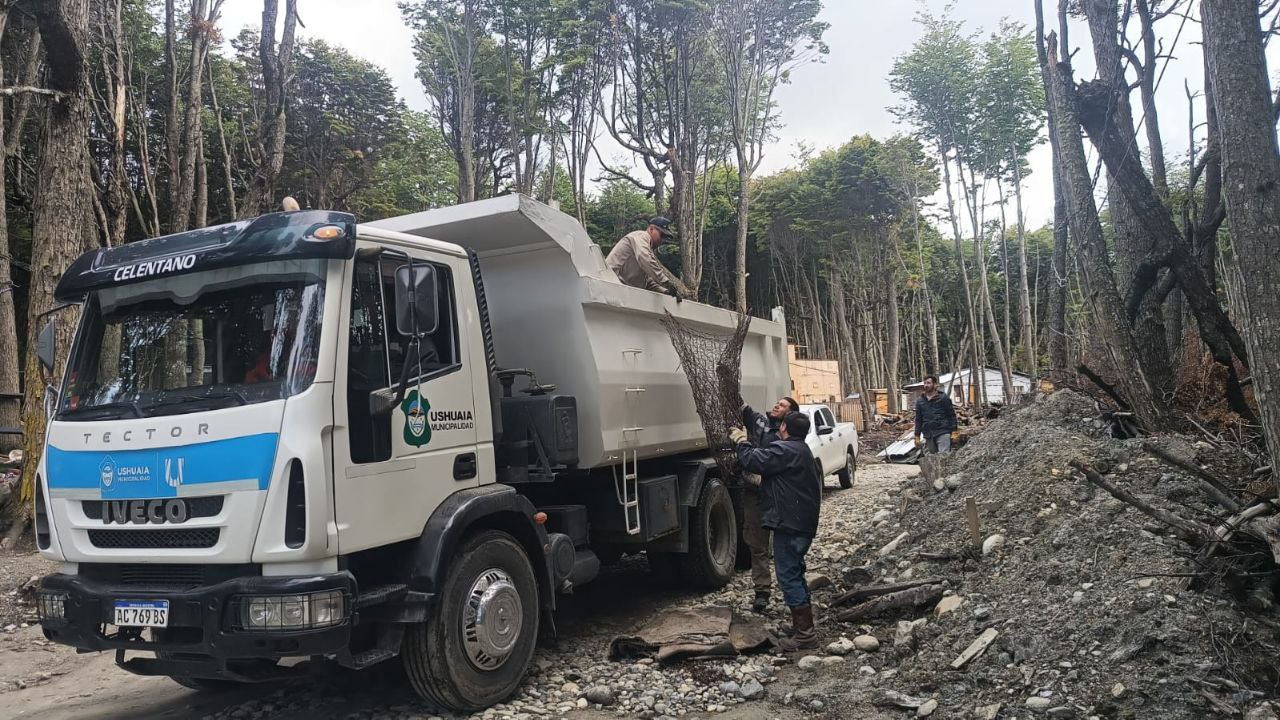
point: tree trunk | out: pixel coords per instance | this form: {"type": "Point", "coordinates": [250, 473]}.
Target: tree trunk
{"type": "Point", "coordinates": [10, 387]}
{"type": "Point", "coordinates": [740, 245]}
{"type": "Point", "coordinates": [894, 340]}
{"type": "Point", "coordinates": [229, 186]}
{"type": "Point", "coordinates": [931, 320]}
{"type": "Point", "coordinates": [1086, 230]}
{"type": "Point", "coordinates": [1251, 176]}
{"type": "Point", "coordinates": [277, 66]}
{"type": "Point", "coordinates": [1029, 344]}
{"type": "Point", "coordinates": [964, 270]}
{"type": "Point", "coordinates": [62, 200]}
{"type": "Point", "coordinates": [1059, 359]}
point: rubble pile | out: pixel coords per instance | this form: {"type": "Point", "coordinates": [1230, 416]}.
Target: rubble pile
{"type": "Point", "coordinates": [1065, 602]}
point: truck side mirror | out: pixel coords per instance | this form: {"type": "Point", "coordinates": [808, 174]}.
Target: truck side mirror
{"type": "Point", "coordinates": [382, 402]}
{"type": "Point", "coordinates": [826, 430]}
{"type": "Point", "coordinates": [47, 345]}
{"type": "Point", "coordinates": [416, 300]}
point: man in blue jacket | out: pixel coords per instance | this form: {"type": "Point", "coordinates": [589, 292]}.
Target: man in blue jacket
{"type": "Point", "coordinates": [790, 496]}
{"type": "Point", "coordinates": [762, 430]}
{"type": "Point", "coordinates": [935, 418]}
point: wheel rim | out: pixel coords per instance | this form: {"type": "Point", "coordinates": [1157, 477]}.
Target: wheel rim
{"type": "Point", "coordinates": [720, 540]}
{"type": "Point", "coordinates": [492, 619]}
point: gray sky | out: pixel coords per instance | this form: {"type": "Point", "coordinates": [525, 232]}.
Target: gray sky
{"type": "Point", "coordinates": [848, 94]}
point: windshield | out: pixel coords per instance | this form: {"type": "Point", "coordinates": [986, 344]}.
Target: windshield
{"type": "Point", "coordinates": [219, 338]}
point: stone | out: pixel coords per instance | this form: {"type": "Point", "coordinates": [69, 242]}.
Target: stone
{"type": "Point", "coordinates": [570, 688]}
{"type": "Point", "coordinates": [1038, 703]}
{"type": "Point", "coordinates": [866, 643]}
{"type": "Point", "coordinates": [991, 544]}
{"type": "Point", "coordinates": [857, 575]}
{"type": "Point", "coordinates": [730, 688]}
{"type": "Point", "coordinates": [882, 516]}
{"type": "Point", "coordinates": [832, 660]}
{"type": "Point", "coordinates": [947, 604]}
{"type": "Point", "coordinates": [905, 633]}
{"type": "Point", "coordinates": [982, 613]}
{"type": "Point", "coordinates": [816, 581]}
{"type": "Point", "coordinates": [752, 690]}
{"type": "Point", "coordinates": [953, 482]}
{"type": "Point", "coordinates": [809, 662]}
{"type": "Point", "coordinates": [987, 712]}
{"type": "Point", "coordinates": [1146, 583]}
{"type": "Point", "coordinates": [583, 703]}
{"type": "Point", "coordinates": [1062, 711]}
{"type": "Point", "coordinates": [1263, 711]}
{"type": "Point", "coordinates": [939, 485]}
{"type": "Point", "coordinates": [927, 708]}
{"type": "Point", "coordinates": [1118, 690]}
{"type": "Point", "coordinates": [601, 695]}
{"type": "Point", "coordinates": [843, 646]}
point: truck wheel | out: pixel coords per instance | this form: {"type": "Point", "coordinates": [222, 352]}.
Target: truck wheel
{"type": "Point", "coordinates": [713, 539]}
{"type": "Point", "coordinates": [847, 472]}
{"type": "Point", "coordinates": [474, 649]}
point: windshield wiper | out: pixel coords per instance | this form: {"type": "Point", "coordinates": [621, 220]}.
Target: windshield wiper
{"type": "Point", "coordinates": [232, 394]}
{"type": "Point", "coordinates": [130, 405]}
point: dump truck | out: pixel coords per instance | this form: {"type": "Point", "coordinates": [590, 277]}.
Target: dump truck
{"type": "Point", "coordinates": [295, 441]}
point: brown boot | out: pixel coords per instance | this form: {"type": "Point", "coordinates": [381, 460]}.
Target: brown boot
{"type": "Point", "coordinates": [803, 638]}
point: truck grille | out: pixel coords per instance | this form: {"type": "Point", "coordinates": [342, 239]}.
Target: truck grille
{"type": "Point", "coordinates": [197, 507]}
{"type": "Point", "coordinates": [165, 575]}
{"type": "Point", "coordinates": [149, 539]}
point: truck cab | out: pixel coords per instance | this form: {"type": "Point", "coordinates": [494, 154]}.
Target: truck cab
{"type": "Point", "coordinates": [289, 439]}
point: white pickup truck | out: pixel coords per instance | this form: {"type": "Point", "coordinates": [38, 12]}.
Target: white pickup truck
{"type": "Point", "coordinates": [834, 445]}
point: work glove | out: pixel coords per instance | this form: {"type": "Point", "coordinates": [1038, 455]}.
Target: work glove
{"type": "Point", "coordinates": [738, 435]}
{"type": "Point", "coordinates": [918, 440]}
{"type": "Point", "coordinates": [752, 478]}
{"type": "Point", "coordinates": [955, 436]}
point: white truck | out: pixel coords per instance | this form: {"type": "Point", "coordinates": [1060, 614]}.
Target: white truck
{"type": "Point", "coordinates": [299, 437]}
{"type": "Point", "coordinates": [834, 445]}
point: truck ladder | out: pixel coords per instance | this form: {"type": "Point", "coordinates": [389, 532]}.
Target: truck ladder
{"type": "Point", "coordinates": [628, 491]}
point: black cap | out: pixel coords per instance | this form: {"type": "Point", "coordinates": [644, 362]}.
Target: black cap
{"type": "Point", "coordinates": [664, 226]}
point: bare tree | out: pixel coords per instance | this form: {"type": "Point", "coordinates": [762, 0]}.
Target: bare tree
{"type": "Point", "coordinates": [277, 63]}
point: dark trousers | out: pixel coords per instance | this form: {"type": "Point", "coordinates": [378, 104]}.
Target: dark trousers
{"type": "Point", "coordinates": [789, 550]}
{"type": "Point", "coordinates": [757, 539]}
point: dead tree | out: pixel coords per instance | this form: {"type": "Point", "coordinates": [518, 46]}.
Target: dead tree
{"type": "Point", "coordinates": [277, 64]}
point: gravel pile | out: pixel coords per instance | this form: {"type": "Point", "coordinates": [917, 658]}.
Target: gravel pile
{"type": "Point", "coordinates": [1077, 598]}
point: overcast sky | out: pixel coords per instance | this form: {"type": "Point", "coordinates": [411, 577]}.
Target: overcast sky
{"type": "Point", "coordinates": [847, 94]}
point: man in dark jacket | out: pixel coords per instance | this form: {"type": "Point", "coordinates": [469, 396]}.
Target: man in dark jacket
{"type": "Point", "coordinates": [791, 495]}
{"type": "Point", "coordinates": [935, 418]}
{"type": "Point", "coordinates": [762, 430]}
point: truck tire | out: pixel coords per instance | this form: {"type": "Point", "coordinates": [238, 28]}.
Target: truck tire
{"type": "Point", "coordinates": [847, 472]}
{"type": "Point", "coordinates": [713, 539]}
{"type": "Point", "coordinates": [455, 662]}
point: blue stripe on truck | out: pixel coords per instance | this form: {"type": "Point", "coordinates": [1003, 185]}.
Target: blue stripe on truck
{"type": "Point", "coordinates": [159, 472]}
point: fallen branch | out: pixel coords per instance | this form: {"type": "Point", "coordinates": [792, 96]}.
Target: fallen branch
{"type": "Point", "coordinates": [1219, 492]}
{"type": "Point", "coordinates": [1102, 385]}
{"type": "Point", "coordinates": [904, 600]}
{"type": "Point", "coordinates": [866, 593]}
{"type": "Point", "coordinates": [975, 649]}
{"type": "Point", "coordinates": [1187, 530]}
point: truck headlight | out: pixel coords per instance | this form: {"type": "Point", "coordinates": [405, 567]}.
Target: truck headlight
{"type": "Point", "coordinates": [52, 607]}
{"type": "Point", "coordinates": [291, 612]}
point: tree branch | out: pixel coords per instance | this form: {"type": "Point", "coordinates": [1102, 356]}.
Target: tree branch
{"type": "Point", "coordinates": [26, 90]}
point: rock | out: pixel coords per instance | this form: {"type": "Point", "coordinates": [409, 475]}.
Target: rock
{"type": "Point", "coordinates": [843, 646]}
{"type": "Point", "coordinates": [1146, 583]}
{"type": "Point", "coordinates": [1118, 690]}
{"type": "Point", "coordinates": [939, 485]}
{"type": "Point", "coordinates": [1263, 711]}
{"type": "Point", "coordinates": [601, 695]}
{"type": "Point", "coordinates": [987, 712]}
{"type": "Point", "coordinates": [752, 690]}
{"type": "Point", "coordinates": [1038, 703]}
{"type": "Point", "coordinates": [947, 604]}
{"type": "Point", "coordinates": [730, 688]}
{"type": "Point", "coordinates": [866, 643]}
{"type": "Point", "coordinates": [892, 546]}
{"type": "Point", "coordinates": [867, 670]}
{"type": "Point", "coordinates": [583, 703]}
{"type": "Point", "coordinates": [809, 662]}
{"type": "Point", "coordinates": [992, 544]}
{"type": "Point", "coordinates": [882, 516]}
{"type": "Point", "coordinates": [816, 581]}
{"type": "Point", "coordinates": [1062, 711]}
{"type": "Point", "coordinates": [857, 575]}
{"type": "Point", "coordinates": [953, 482]}
{"type": "Point", "coordinates": [570, 688]}
{"type": "Point", "coordinates": [905, 634]}
{"type": "Point", "coordinates": [927, 708]}
{"type": "Point", "coordinates": [832, 660]}
{"type": "Point", "coordinates": [982, 613]}
{"type": "Point", "coordinates": [816, 705]}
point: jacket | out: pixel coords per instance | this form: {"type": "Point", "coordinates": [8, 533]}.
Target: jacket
{"type": "Point", "coordinates": [761, 429]}
{"type": "Point", "coordinates": [635, 263]}
{"type": "Point", "coordinates": [935, 417]}
{"type": "Point", "coordinates": [790, 489]}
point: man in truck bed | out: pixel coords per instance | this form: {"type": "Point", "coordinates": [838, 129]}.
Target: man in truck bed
{"type": "Point", "coordinates": [636, 263]}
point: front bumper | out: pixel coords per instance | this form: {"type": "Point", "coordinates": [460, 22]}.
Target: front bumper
{"type": "Point", "coordinates": [201, 637]}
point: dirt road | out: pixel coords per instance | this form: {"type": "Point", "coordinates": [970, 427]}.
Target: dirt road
{"type": "Point", "coordinates": [52, 682]}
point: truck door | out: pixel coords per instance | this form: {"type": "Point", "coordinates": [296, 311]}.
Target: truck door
{"type": "Point", "coordinates": [391, 471]}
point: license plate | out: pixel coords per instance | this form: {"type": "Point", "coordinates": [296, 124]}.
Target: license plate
{"type": "Point", "coordinates": [142, 613]}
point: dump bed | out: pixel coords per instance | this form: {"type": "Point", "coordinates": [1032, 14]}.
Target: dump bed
{"type": "Point", "coordinates": [557, 309]}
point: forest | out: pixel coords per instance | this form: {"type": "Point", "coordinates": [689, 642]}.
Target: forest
{"type": "Point", "coordinates": [899, 255]}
